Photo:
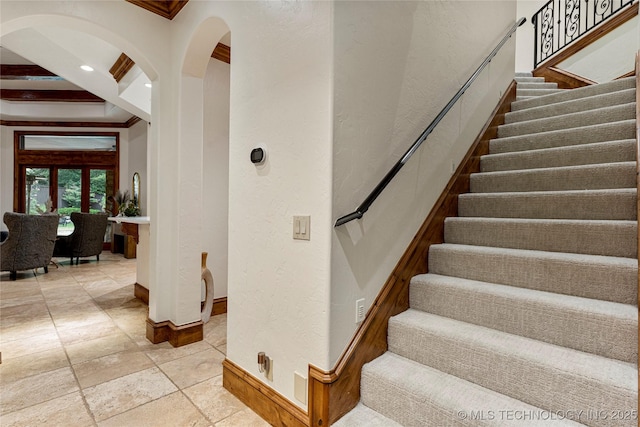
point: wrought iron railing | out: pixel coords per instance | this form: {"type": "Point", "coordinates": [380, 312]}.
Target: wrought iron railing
{"type": "Point", "coordinates": [560, 22]}
{"type": "Point", "coordinates": [364, 206]}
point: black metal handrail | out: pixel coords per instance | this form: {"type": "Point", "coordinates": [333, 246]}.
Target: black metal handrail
{"type": "Point", "coordinates": [560, 22]}
{"type": "Point", "coordinates": [364, 206]}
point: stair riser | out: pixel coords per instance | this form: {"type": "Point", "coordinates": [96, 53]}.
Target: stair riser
{"type": "Point", "coordinates": [608, 280]}
{"type": "Point", "coordinates": [590, 177]}
{"type": "Point", "coordinates": [607, 238]}
{"type": "Point", "coordinates": [570, 121]}
{"type": "Point", "coordinates": [568, 107]}
{"type": "Point", "coordinates": [540, 317]}
{"type": "Point", "coordinates": [569, 95]}
{"type": "Point", "coordinates": [536, 85]}
{"type": "Point", "coordinates": [605, 152]}
{"type": "Point", "coordinates": [530, 379]}
{"type": "Point", "coordinates": [597, 205]}
{"type": "Point", "coordinates": [529, 79]}
{"type": "Point", "coordinates": [536, 92]}
{"type": "Point", "coordinates": [567, 137]}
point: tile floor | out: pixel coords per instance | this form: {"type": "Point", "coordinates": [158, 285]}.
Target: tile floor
{"type": "Point", "coordinates": [74, 353]}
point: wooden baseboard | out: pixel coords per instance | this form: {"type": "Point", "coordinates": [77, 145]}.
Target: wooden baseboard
{"type": "Point", "coordinates": [219, 306]}
{"type": "Point", "coordinates": [177, 336]}
{"type": "Point", "coordinates": [334, 393]}
{"type": "Point", "coordinates": [142, 293]}
{"type": "Point", "coordinates": [624, 76]}
{"type": "Point", "coordinates": [265, 401]}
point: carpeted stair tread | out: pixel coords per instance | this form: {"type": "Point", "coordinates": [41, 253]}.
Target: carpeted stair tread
{"type": "Point", "coordinates": [568, 321]}
{"type": "Point", "coordinates": [624, 129]}
{"type": "Point", "coordinates": [415, 395]}
{"type": "Point", "coordinates": [523, 74]}
{"type": "Point", "coordinates": [583, 92]}
{"type": "Point", "coordinates": [618, 204]}
{"type": "Point", "coordinates": [606, 238]}
{"type": "Point", "coordinates": [589, 276]}
{"type": "Point", "coordinates": [540, 374]}
{"type": "Point", "coordinates": [573, 155]}
{"type": "Point", "coordinates": [599, 101]}
{"type": "Point", "coordinates": [591, 117]}
{"type": "Point", "coordinates": [538, 84]}
{"type": "Point", "coordinates": [582, 177]}
{"type": "Point", "coordinates": [537, 92]}
{"type": "Point", "coordinates": [363, 416]}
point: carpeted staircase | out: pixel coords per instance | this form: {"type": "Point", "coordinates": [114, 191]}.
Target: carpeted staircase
{"type": "Point", "coordinates": [529, 314]}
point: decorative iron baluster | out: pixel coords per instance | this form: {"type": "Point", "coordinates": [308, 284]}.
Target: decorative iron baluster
{"type": "Point", "coordinates": [552, 33]}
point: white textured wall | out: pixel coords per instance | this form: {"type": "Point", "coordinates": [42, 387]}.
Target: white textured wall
{"type": "Point", "coordinates": [609, 57]}
{"type": "Point", "coordinates": [396, 65]}
{"type": "Point", "coordinates": [215, 187]}
{"type": "Point", "coordinates": [524, 36]}
{"type": "Point", "coordinates": [138, 162]}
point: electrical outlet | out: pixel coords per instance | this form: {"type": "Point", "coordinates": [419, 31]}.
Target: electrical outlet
{"type": "Point", "coordinates": [360, 310]}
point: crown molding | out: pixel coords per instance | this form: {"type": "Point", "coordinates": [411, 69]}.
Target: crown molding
{"type": "Point", "coordinates": [165, 8]}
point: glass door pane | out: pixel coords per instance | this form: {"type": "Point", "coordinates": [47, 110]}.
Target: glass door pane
{"type": "Point", "coordinates": [69, 197]}
{"type": "Point", "coordinates": [37, 182]}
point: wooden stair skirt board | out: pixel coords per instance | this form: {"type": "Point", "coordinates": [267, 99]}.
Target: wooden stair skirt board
{"type": "Point", "coordinates": [142, 293]}
{"type": "Point", "coordinates": [637, 72]}
{"type": "Point", "coordinates": [334, 393]}
{"type": "Point", "coordinates": [265, 401]}
{"type": "Point", "coordinates": [567, 80]}
{"type": "Point", "coordinates": [177, 336]}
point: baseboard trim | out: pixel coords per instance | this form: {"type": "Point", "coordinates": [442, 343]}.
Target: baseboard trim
{"type": "Point", "coordinates": [262, 399]}
{"type": "Point", "coordinates": [142, 293]}
{"type": "Point", "coordinates": [177, 336]}
{"type": "Point", "coordinates": [334, 393]}
{"type": "Point", "coordinates": [219, 306]}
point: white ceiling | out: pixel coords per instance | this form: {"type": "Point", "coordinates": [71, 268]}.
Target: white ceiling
{"type": "Point", "coordinates": [62, 51]}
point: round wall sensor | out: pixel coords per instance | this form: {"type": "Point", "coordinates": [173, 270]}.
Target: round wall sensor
{"type": "Point", "coordinates": [258, 156]}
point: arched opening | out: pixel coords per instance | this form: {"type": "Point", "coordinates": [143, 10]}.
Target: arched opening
{"type": "Point", "coordinates": [203, 63]}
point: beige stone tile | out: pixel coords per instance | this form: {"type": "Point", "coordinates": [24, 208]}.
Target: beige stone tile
{"type": "Point", "coordinates": [222, 349]}
{"type": "Point", "coordinates": [103, 346]}
{"type": "Point", "coordinates": [20, 300]}
{"type": "Point", "coordinates": [109, 367]}
{"type": "Point", "coordinates": [20, 275]}
{"type": "Point", "coordinates": [29, 345]}
{"type": "Point", "coordinates": [101, 287]}
{"type": "Point", "coordinates": [36, 389]}
{"type": "Point", "coordinates": [165, 352]}
{"type": "Point", "coordinates": [117, 396]}
{"type": "Point", "coordinates": [121, 297]}
{"type": "Point", "coordinates": [21, 367]}
{"type": "Point", "coordinates": [244, 418]}
{"type": "Point", "coordinates": [68, 411]}
{"type": "Point", "coordinates": [95, 330]}
{"type": "Point", "coordinates": [19, 289]}
{"type": "Point", "coordinates": [172, 410]}
{"type": "Point", "coordinates": [27, 329]}
{"type": "Point", "coordinates": [65, 293]}
{"type": "Point", "coordinates": [213, 400]}
{"type": "Point", "coordinates": [215, 331]}
{"type": "Point", "coordinates": [195, 368]}
{"type": "Point", "coordinates": [84, 318]}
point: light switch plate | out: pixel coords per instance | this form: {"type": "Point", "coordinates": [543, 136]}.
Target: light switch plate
{"type": "Point", "coordinates": [302, 227]}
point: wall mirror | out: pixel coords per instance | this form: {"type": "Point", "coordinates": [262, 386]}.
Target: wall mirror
{"type": "Point", "coordinates": [136, 188]}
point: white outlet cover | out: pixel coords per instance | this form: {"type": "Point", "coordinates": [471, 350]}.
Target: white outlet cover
{"type": "Point", "coordinates": [360, 311]}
